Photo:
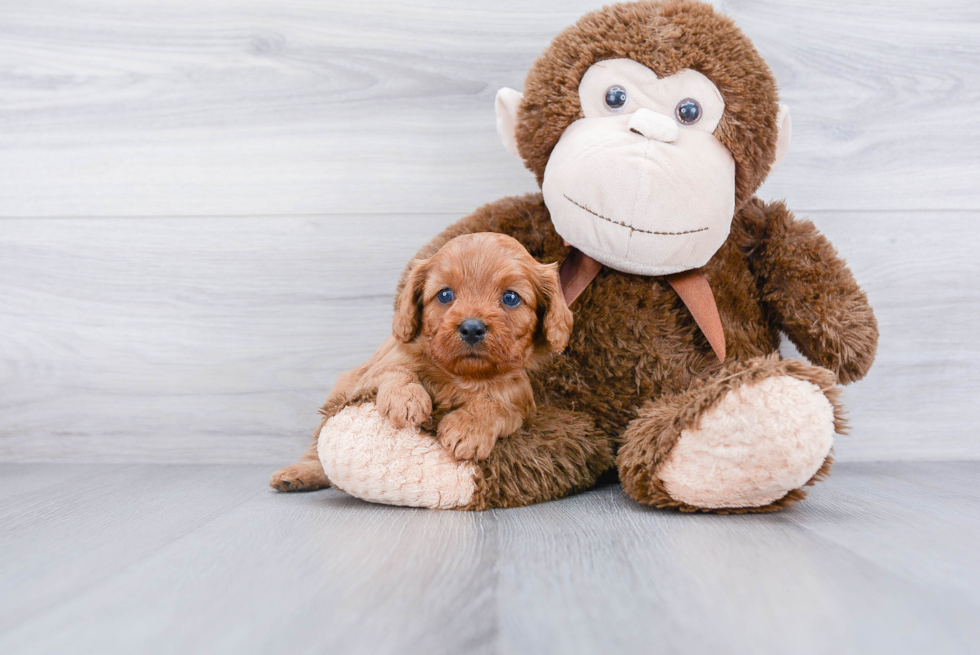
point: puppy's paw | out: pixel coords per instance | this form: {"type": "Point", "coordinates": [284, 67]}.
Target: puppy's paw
{"type": "Point", "coordinates": [306, 475]}
{"type": "Point", "coordinates": [406, 405]}
{"type": "Point", "coordinates": [464, 437]}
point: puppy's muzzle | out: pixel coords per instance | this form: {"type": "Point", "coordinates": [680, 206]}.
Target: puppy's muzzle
{"type": "Point", "coordinates": [472, 331]}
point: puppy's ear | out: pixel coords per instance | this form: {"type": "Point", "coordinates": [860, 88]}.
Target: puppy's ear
{"type": "Point", "coordinates": [557, 320]}
{"type": "Point", "coordinates": [408, 306]}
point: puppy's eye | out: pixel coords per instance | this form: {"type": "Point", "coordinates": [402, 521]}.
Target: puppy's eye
{"type": "Point", "coordinates": [445, 296]}
{"type": "Point", "coordinates": [615, 97]}
{"type": "Point", "coordinates": [511, 299]}
{"type": "Point", "coordinates": [688, 111]}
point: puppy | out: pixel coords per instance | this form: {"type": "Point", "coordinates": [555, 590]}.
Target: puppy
{"type": "Point", "coordinates": [469, 324]}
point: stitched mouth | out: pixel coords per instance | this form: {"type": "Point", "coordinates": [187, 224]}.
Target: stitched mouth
{"type": "Point", "coordinates": [630, 227]}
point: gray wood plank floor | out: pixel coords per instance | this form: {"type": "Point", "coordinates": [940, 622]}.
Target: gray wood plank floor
{"type": "Point", "coordinates": [881, 558]}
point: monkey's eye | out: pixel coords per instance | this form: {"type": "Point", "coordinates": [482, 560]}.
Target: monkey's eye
{"type": "Point", "coordinates": [688, 111]}
{"type": "Point", "coordinates": [616, 98]}
{"type": "Point", "coordinates": [511, 299]}
{"type": "Point", "coordinates": [445, 296]}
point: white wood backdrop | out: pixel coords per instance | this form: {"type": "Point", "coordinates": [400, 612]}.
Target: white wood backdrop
{"type": "Point", "coordinates": [204, 206]}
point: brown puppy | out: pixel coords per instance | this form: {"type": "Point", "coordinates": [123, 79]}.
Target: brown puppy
{"type": "Point", "coordinates": [470, 323]}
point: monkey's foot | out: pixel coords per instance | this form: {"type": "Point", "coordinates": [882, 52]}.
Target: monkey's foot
{"type": "Point", "coordinates": [557, 453]}
{"type": "Point", "coordinates": [366, 456]}
{"type": "Point", "coordinates": [747, 441]}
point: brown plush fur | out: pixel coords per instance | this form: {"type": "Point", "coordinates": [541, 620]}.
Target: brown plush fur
{"type": "Point", "coordinates": [634, 343]}
{"type": "Point", "coordinates": [667, 37]}
{"type": "Point", "coordinates": [558, 453]}
{"type": "Point", "coordinates": [637, 368]}
{"type": "Point", "coordinates": [634, 340]}
{"type": "Point", "coordinates": [808, 290]}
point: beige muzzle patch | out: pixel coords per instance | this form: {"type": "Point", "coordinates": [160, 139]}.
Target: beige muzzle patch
{"type": "Point", "coordinates": [370, 459]}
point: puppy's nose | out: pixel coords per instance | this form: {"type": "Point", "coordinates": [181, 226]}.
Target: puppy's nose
{"type": "Point", "coordinates": [472, 331]}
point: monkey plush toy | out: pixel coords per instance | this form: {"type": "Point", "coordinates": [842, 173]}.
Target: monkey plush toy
{"type": "Point", "coordinates": [649, 126]}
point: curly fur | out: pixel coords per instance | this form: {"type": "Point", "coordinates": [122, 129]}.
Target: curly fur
{"type": "Point", "coordinates": [558, 453]}
{"type": "Point", "coordinates": [471, 395]}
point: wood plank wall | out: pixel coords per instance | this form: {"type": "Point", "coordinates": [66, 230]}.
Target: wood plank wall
{"type": "Point", "coordinates": [204, 207]}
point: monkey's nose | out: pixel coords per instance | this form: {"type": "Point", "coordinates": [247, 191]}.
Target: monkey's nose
{"type": "Point", "coordinates": [472, 331]}
{"type": "Point", "coordinates": [653, 125]}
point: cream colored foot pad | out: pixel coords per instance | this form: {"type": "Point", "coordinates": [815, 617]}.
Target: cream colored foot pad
{"type": "Point", "coordinates": [367, 457]}
{"type": "Point", "coordinates": [760, 442]}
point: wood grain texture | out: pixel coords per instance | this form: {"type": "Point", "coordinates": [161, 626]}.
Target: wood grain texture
{"type": "Point", "coordinates": [94, 521]}
{"type": "Point", "coordinates": [879, 559]}
{"type": "Point", "coordinates": [245, 107]}
{"type": "Point", "coordinates": [183, 340]}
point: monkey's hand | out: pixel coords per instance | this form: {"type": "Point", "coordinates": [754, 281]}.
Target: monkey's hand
{"type": "Point", "coordinates": [467, 436]}
{"type": "Point", "coordinates": [404, 405]}
{"type": "Point", "coordinates": [809, 291]}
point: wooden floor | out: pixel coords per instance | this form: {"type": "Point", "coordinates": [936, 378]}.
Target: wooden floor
{"type": "Point", "coordinates": [107, 558]}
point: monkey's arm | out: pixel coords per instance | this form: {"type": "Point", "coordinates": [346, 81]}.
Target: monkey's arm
{"type": "Point", "coordinates": [808, 290]}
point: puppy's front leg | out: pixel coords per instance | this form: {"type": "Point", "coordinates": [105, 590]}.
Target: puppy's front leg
{"type": "Point", "coordinates": [471, 431]}
{"type": "Point", "coordinates": [402, 399]}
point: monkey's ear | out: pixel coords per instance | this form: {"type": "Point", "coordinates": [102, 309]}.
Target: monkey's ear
{"type": "Point", "coordinates": [557, 321]}
{"type": "Point", "coordinates": [785, 127]}
{"type": "Point", "coordinates": [508, 100]}
{"type": "Point", "coordinates": [408, 307]}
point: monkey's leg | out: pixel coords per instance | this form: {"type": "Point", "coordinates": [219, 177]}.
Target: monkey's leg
{"type": "Point", "coordinates": [746, 440]}
{"type": "Point", "coordinates": [558, 453]}
{"type": "Point", "coordinates": [305, 475]}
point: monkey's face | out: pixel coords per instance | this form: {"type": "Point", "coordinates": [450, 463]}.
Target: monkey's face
{"type": "Point", "coordinates": [640, 183]}
{"type": "Point", "coordinates": [645, 173]}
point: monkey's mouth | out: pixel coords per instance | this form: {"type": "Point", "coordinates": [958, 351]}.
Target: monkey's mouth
{"type": "Point", "coordinates": [630, 227]}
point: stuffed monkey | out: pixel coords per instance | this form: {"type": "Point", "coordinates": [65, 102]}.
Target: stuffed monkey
{"type": "Point", "coordinates": [649, 127]}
